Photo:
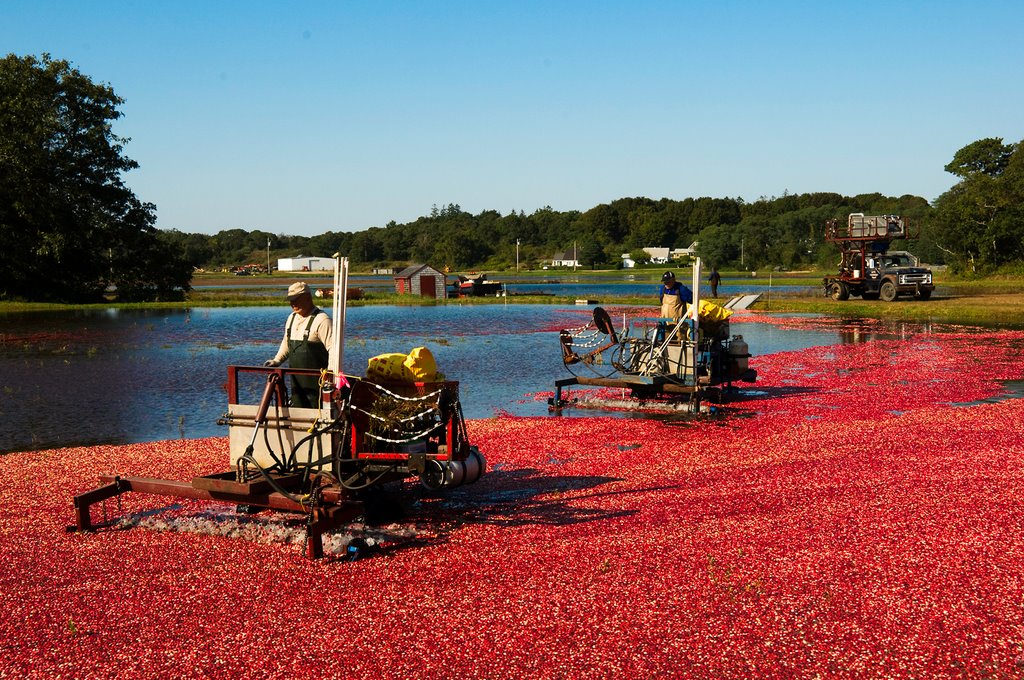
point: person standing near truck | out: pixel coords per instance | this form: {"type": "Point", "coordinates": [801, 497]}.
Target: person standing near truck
{"type": "Point", "coordinates": [714, 280]}
{"type": "Point", "coordinates": [673, 297]}
{"type": "Point", "coordinates": [306, 343]}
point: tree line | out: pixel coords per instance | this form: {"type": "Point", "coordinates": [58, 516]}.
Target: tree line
{"type": "Point", "coordinates": [977, 227]}
{"type": "Point", "coordinates": [72, 231]}
{"type": "Point", "coordinates": [782, 231]}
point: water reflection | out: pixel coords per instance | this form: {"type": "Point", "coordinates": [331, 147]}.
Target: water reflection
{"type": "Point", "coordinates": [96, 376]}
{"type": "Point", "coordinates": [856, 331]}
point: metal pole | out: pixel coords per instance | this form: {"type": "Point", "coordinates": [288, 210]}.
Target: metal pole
{"type": "Point", "coordinates": [337, 356]}
{"type": "Point", "coordinates": [517, 255]}
{"type": "Point", "coordinates": [268, 255]}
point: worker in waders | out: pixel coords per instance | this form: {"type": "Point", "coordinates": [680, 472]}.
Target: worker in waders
{"type": "Point", "coordinates": [307, 337]}
{"type": "Point", "coordinates": [673, 296]}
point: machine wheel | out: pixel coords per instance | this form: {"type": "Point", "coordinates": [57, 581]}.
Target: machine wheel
{"type": "Point", "coordinates": [837, 290]}
{"type": "Point", "coordinates": [924, 294]}
{"type": "Point", "coordinates": [888, 291]}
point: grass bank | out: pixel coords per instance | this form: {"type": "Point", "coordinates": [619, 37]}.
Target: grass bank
{"type": "Point", "coordinates": [968, 308]}
{"type": "Point", "coordinates": [992, 301]}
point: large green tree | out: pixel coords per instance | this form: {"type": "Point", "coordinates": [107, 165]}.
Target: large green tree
{"type": "Point", "coordinates": [979, 222]}
{"type": "Point", "coordinates": [69, 226]}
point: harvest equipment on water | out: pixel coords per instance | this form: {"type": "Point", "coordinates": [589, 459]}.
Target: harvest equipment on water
{"type": "Point", "coordinates": [319, 461]}
{"type": "Point", "coordinates": [688, 359]}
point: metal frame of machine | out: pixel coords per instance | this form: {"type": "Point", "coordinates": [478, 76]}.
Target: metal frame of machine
{"type": "Point", "coordinates": [317, 461]}
{"type": "Point", "coordinates": [681, 358]}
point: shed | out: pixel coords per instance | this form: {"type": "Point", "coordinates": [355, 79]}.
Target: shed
{"type": "Point", "coordinates": [302, 263]}
{"type": "Point", "coordinates": [421, 279]}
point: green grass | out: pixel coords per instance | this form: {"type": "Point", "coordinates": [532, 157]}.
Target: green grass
{"type": "Point", "coordinates": [1002, 310]}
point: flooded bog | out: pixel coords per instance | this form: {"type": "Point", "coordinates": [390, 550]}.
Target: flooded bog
{"type": "Point", "coordinates": [116, 376]}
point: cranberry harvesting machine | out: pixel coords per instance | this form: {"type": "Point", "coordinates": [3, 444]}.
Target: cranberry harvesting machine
{"type": "Point", "coordinates": [318, 462]}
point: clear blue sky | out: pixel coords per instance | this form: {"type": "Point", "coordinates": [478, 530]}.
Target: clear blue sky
{"type": "Point", "coordinates": [304, 117]}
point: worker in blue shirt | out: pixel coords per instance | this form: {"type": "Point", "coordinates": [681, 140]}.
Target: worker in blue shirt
{"type": "Point", "coordinates": [673, 296]}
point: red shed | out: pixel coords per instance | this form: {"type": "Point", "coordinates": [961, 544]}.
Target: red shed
{"type": "Point", "coordinates": [421, 279]}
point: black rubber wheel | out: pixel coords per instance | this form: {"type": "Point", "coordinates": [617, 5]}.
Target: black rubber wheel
{"type": "Point", "coordinates": [837, 290]}
{"type": "Point", "coordinates": [888, 291]}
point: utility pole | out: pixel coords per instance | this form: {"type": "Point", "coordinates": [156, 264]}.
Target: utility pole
{"type": "Point", "coordinates": [268, 256]}
{"type": "Point", "coordinates": [517, 255]}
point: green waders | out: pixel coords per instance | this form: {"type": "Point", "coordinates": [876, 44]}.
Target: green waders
{"type": "Point", "coordinates": [305, 354]}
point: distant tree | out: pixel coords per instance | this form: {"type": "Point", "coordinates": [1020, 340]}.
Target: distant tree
{"type": "Point", "coordinates": [640, 256]}
{"type": "Point", "coordinates": [711, 211]}
{"type": "Point", "coordinates": [985, 157]}
{"type": "Point", "coordinates": [602, 222]}
{"type": "Point", "coordinates": [194, 248]}
{"type": "Point", "coordinates": [591, 253]}
{"type": "Point", "coordinates": [716, 245]}
{"type": "Point", "coordinates": [979, 222]}
{"type": "Point", "coordinates": [69, 225]}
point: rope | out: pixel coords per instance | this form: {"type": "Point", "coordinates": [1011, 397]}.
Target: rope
{"type": "Point", "coordinates": [399, 396]}
{"type": "Point", "coordinates": [418, 416]}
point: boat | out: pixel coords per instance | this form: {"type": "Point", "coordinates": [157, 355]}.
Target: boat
{"type": "Point", "coordinates": [477, 286]}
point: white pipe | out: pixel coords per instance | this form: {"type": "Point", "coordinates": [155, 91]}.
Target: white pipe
{"type": "Point", "coordinates": [337, 349]}
{"type": "Point", "coordinates": [694, 311]}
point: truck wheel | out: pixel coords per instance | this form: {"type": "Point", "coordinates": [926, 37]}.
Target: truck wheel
{"type": "Point", "coordinates": [888, 291]}
{"type": "Point", "coordinates": [838, 290]}
{"type": "Point", "coordinates": [924, 294]}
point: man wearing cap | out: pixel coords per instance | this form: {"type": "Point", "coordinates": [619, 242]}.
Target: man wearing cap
{"type": "Point", "coordinates": [307, 339]}
{"type": "Point", "coordinates": [673, 296]}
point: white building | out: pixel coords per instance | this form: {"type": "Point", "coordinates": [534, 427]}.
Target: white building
{"type": "Point", "coordinates": [302, 263]}
{"type": "Point", "coordinates": [566, 258]}
{"type": "Point", "coordinates": [690, 251]}
{"type": "Point", "coordinates": [656, 255]}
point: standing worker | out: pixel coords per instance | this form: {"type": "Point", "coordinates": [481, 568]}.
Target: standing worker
{"type": "Point", "coordinates": [306, 343]}
{"type": "Point", "coordinates": [714, 280]}
{"type": "Point", "coordinates": [673, 297]}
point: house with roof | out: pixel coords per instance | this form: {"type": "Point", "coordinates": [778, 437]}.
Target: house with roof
{"type": "Point", "coordinates": [655, 255]}
{"type": "Point", "coordinates": [689, 251]}
{"type": "Point", "coordinates": [304, 263]}
{"type": "Point", "coordinates": [566, 258]}
{"type": "Point", "coordinates": [421, 279]}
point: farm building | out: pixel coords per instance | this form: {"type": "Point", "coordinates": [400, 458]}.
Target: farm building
{"type": "Point", "coordinates": [421, 279]}
{"type": "Point", "coordinates": [566, 258]}
{"type": "Point", "coordinates": [301, 263]}
{"type": "Point", "coordinates": [654, 255]}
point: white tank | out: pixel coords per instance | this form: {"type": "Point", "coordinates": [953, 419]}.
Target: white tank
{"type": "Point", "coordinates": [739, 352]}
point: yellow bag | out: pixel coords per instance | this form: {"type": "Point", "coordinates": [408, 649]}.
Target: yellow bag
{"type": "Point", "coordinates": [388, 367]}
{"type": "Point", "coordinates": [420, 365]}
{"type": "Point", "coordinates": [416, 366]}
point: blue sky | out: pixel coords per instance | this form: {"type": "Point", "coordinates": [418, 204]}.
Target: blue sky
{"type": "Point", "coordinates": [304, 117]}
